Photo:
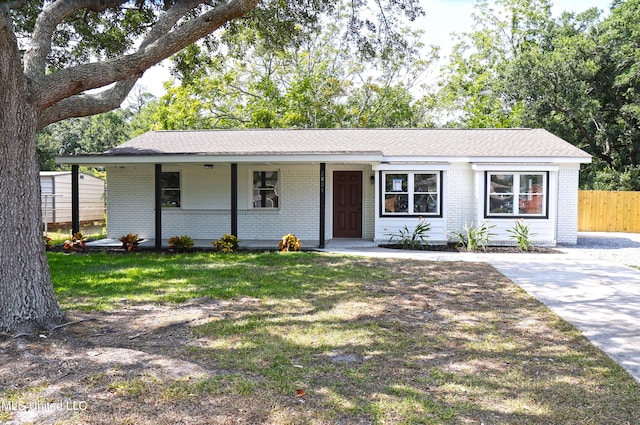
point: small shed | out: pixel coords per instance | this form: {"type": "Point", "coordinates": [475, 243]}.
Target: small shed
{"type": "Point", "coordinates": [55, 189]}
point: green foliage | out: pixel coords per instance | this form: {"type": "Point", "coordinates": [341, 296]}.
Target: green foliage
{"type": "Point", "coordinates": [412, 239]}
{"type": "Point", "coordinates": [319, 83]}
{"type": "Point", "coordinates": [576, 75]}
{"type": "Point", "coordinates": [129, 242]}
{"type": "Point", "coordinates": [75, 244]}
{"type": "Point", "coordinates": [227, 243]}
{"type": "Point", "coordinates": [473, 238]}
{"type": "Point", "coordinates": [181, 243]}
{"type": "Point", "coordinates": [610, 179]}
{"type": "Point", "coordinates": [74, 136]}
{"type": "Point", "coordinates": [520, 233]}
{"type": "Point", "coordinates": [289, 243]}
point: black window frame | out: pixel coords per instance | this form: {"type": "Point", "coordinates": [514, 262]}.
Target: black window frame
{"type": "Point", "coordinates": [517, 196]}
{"type": "Point", "coordinates": [165, 189]}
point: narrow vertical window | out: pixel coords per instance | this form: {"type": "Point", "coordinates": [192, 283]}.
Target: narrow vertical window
{"type": "Point", "coordinates": [265, 189]}
{"type": "Point", "coordinates": [170, 188]}
{"type": "Point", "coordinates": [501, 194]}
{"type": "Point", "coordinates": [425, 193]}
{"type": "Point", "coordinates": [396, 193]}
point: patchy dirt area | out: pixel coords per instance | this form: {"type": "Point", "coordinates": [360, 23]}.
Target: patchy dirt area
{"type": "Point", "coordinates": [437, 343]}
{"type": "Point", "coordinates": [71, 368]}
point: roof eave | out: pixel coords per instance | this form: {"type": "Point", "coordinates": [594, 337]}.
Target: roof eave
{"type": "Point", "coordinates": [492, 159]}
{"type": "Point", "coordinates": [102, 159]}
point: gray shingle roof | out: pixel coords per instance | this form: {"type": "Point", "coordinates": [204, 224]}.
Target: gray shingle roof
{"type": "Point", "coordinates": [433, 143]}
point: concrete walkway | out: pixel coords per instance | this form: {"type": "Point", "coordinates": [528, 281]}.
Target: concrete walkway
{"type": "Point", "coordinates": [591, 288]}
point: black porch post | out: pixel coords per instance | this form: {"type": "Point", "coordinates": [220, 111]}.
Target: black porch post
{"type": "Point", "coordinates": [158, 206]}
{"type": "Point", "coordinates": [75, 198]}
{"type": "Point", "coordinates": [234, 199]}
{"type": "Point", "coordinates": [323, 180]}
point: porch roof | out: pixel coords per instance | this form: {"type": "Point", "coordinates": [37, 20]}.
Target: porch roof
{"type": "Point", "coordinates": [361, 145]}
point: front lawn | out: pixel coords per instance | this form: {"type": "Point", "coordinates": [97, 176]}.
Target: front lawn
{"type": "Point", "coordinates": [307, 338]}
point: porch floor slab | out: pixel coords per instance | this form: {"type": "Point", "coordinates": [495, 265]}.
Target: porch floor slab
{"type": "Point", "coordinates": [244, 243]}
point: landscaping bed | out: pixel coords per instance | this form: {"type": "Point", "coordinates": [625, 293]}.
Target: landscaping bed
{"type": "Point", "coordinates": [452, 247]}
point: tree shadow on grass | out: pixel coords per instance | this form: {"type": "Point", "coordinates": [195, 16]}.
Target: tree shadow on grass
{"type": "Point", "coordinates": [322, 339]}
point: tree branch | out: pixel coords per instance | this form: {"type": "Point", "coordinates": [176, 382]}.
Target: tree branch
{"type": "Point", "coordinates": [84, 105]}
{"type": "Point", "coordinates": [35, 58]}
{"type": "Point", "coordinates": [160, 43]}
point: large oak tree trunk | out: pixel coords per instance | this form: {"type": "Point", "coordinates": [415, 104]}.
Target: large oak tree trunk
{"type": "Point", "coordinates": [27, 301]}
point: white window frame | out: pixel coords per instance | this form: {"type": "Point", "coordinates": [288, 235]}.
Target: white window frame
{"type": "Point", "coordinates": [276, 190]}
{"type": "Point", "coordinates": [410, 193]}
{"type": "Point", "coordinates": [519, 199]}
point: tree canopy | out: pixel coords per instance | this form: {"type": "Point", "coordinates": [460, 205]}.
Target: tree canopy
{"type": "Point", "coordinates": [320, 82]}
{"type": "Point", "coordinates": [575, 75]}
{"type": "Point", "coordinates": [54, 54]}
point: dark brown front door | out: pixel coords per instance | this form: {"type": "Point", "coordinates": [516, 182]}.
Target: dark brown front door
{"type": "Point", "coordinates": [347, 204]}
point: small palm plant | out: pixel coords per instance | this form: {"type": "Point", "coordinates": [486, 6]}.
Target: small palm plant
{"type": "Point", "coordinates": [473, 238]}
{"type": "Point", "coordinates": [412, 239]}
{"type": "Point", "coordinates": [520, 233]}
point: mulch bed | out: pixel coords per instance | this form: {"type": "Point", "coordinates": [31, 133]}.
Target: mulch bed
{"type": "Point", "coordinates": [451, 247]}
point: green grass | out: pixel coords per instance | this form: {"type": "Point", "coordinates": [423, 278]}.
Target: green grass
{"type": "Point", "coordinates": [368, 341]}
{"type": "Point", "coordinates": [106, 281]}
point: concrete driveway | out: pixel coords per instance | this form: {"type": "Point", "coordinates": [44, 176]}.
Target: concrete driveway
{"type": "Point", "coordinates": [599, 298]}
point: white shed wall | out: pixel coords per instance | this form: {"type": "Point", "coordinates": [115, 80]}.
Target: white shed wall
{"type": "Point", "coordinates": [57, 209]}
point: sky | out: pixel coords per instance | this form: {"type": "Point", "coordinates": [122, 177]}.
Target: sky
{"type": "Point", "coordinates": [443, 17]}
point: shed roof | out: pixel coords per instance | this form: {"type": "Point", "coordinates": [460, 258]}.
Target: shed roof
{"type": "Point", "coordinates": [383, 143]}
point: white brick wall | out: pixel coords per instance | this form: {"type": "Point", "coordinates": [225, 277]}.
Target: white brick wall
{"type": "Point", "coordinates": [299, 212]}
{"type": "Point", "coordinates": [130, 201]}
{"type": "Point", "coordinates": [205, 213]}
{"type": "Point", "coordinates": [460, 196]}
{"type": "Point", "coordinates": [567, 231]}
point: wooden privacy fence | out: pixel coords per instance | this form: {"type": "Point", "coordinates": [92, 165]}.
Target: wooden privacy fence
{"type": "Point", "coordinates": [605, 211]}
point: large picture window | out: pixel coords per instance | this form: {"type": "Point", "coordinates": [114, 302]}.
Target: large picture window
{"type": "Point", "coordinates": [516, 194]}
{"type": "Point", "coordinates": [412, 193]}
{"type": "Point", "coordinates": [265, 189]}
{"type": "Point", "coordinates": [170, 189]}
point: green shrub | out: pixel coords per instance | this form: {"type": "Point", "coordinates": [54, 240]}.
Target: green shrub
{"type": "Point", "coordinates": [76, 243]}
{"type": "Point", "coordinates": [129, 242]}
{"type": "Point", "coordinates": [416, 239]}
{"type": "Point", "coordinates": [473, 238]}
{"type": "Point", "coordinates": [520, 233]}
{"type": "Point", "coordinates": [227, 243]}
{"type": "Point", "coordinates": [181, 243]}
{"type": "Point", "coordinates": [289, 242]}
